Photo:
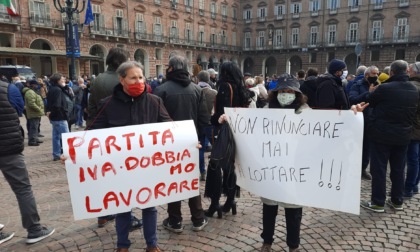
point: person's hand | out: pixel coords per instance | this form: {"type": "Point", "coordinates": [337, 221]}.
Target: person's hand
{"type": "Point", "coordinates": [63, 158]}
{"type": "Point", "coordinates": [372, 88]}
{"type": "Point", "coordinates": [48, 114]}
{"type": "Point", "coordinates": [199, 146]}
{"type": "Point", "coordinates": [222, 119]}
{"type": "Point", "coordinates": [359, 107]}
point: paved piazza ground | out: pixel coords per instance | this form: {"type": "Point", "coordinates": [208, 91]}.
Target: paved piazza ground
{"type": "Point", "coordinates": [322, 230]}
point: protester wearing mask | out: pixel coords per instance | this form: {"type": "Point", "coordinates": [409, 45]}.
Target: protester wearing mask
{"type": "Point", "coordinates": [131, 104]}
{"type": "Point", "coordinates": [357, 94]}
{"type": "Point", "coordinates": [330, 92]}
{"type": "Point", "coordinates": [286, 95]}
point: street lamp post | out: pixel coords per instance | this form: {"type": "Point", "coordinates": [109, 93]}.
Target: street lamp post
{"type": "Point", "coordinates": [70, 31]}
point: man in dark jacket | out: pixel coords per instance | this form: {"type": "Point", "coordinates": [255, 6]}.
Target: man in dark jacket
{"type": "Point", "coordinates": [330, 93]}
{"type": "Point", "coordinates": [57, 112]}
{"type": "Point", "coordinates": [309, 86]}
{"type": "Point", "coordinates": [103, 85]}
{"type": "Point", "coordinates": [184, 100]}
{"type": "Point", "coordinates": [14, 171]}
{"type": "Point", "coordinates": [360, 74]}
{"type": "Point", "coordinates": [394, 109]}
{"type": "Point", "coordinates": [131, 104]}
{"type": "Point", "coordinates": [358, 94]}
{"type": "Point", "coordinates": [413, 153]}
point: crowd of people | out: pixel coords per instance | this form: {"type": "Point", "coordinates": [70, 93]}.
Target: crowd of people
{"type": "Point", "coordinates": [389, 101]}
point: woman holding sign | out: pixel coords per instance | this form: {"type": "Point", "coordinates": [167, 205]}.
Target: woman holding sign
{"type": "Point", "coordinates": [130, 104]}
{"type": "Point", "coordinates": [286, 95]}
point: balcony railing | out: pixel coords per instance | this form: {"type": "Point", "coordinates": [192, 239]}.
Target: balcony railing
{"type": "Point", "coordinates": [47, 23]}
{"type": "Point", "coordinates": [6, 18]}
{"type": "Point", "coordinates": [110, 32]}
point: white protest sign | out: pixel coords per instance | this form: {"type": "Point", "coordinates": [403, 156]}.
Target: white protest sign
{"type": "Point", "coordinates": [113, 170]}
{"type": "Point", "coordinates": [309, 159]}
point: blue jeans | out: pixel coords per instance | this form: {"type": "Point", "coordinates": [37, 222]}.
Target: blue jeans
{"type": "Point", "coordinates": [123, 225]}
{"type": "Point", "coordinates": [58, 127]}
{"type": "Point", "coordinates": [203, 141]}
{"type": "Point", "coordinates": [412, 178]}
{"type": "Point", "coordinates": [79, 114]}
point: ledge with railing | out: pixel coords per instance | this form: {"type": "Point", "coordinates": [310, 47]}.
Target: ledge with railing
{"type": "Point", "coordinates": [7, 19]}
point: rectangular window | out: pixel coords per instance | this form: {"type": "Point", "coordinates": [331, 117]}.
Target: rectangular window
{"type": "Point", "coordinates": [278, 38]}
{"type": "Point", "coordinates": [140, 26]}
{"type": "Point", "coordinates": [279, 11]}
{"type": "Point", "coordinates": [247, 41]}
{"type": "Point", "coordinates": [314, 6]}
{"type": "Point", "coordinates": [402, 3]}
{"type": "Point", "coordinates": [261, 39]}
{"type": "Point", "coordinates": [201, 4]}
{"type": "Point", "coordinates": [234, 38]}
{"type": "Point", "coordinates": [400, 54]}
{"type": "Point", "coordinates": [353, 33]}
{"type": "Point", "coordinates": [213, 38]}
{"type": "Point", "coordinates": [188, 32]}
{"type": "Point", "coordinates": [313, 37]}
{"type": "Point", "coordinates": [247, 14]}
{"type": "Point", "coordinates": [262, 13]}
{"type": "Point", "coordinates": [296, 9]}
{"type": "Point", "coordinates": [234, 13]}
{"type": "Point", "coordinates": [354, 3]}
{"type": "Point", "coordinates": [374, 55]}
{"type": "Point", "coordinates": [157, 29]}
{"type": "Point", "coordinates": [201, 35]}
{"type": "Point", "coordinates": [213, 10]}
{"type": "Point", "coordinates": [401, 30]}
{"type": "Point", "coordinates": [332, 34]}
{"type": "Point", "coordinates": [377, 4]}
{"type": "Point", "coordinates": [295, 37]}
{"type": "Point", "coordinates": [224, 12]}
{"type": "Point", "coordinates": [157, 2]}
{"type": "Point", "coordinates": [96, 25]}
{"type": "Point", "coordinates": [377, 31]}
{"type": "Point", "coordinates": [333, 5]}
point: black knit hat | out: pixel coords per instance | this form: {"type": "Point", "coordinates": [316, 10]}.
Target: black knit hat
{"type": "Point", "coordinates": [336, 65]}
{"type": "Point", "coordinates": [287, 81]}
{"type": "Point", "coordinates": [33, 82]}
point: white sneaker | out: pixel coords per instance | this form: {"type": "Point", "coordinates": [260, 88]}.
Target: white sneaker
{"type": "Point", "coordinates": [1, 226]}
{"type": "Point", "coordinates": [77, 127]}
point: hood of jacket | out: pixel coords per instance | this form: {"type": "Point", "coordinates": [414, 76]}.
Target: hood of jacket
{"type": "Point", "coordinates": [328, 76]}
{"type": "Point", "coordinates": [180, 76]}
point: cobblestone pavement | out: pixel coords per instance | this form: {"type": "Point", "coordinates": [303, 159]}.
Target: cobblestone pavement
{"type": "Point", "coordinates": [322, 230]}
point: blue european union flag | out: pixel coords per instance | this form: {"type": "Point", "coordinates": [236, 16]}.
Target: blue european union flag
{"type": "Point", "coordinates": [89, 14]}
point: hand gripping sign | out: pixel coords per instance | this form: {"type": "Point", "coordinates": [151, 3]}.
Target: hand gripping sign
{"type": "Point", "coordinates": [112, 170]}
{"type": "Point", "coordinates": [309, 159]}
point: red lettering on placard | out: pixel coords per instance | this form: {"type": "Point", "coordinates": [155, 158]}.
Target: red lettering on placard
{"type": "Point", "coordinates": [94, 143]}
{"type": "Point", "coordinates": [71, 143]}
{"type": "Point", "coordinates": [128, 140]}
{"type": "Point", "coordinates": [167, 134]}
{"type": "Point", "coordinates": [154, 135]}
{"type": "Point", "coordinates": [130, 165]}
{"type": "Point", "coordinates": [88, 208]}
{"type": "Point", "coordinates": [141, 142]}
{"type": "Point", "coordinates": [148, 197]}
{"type": "Point", "coordinates": [186, 153]}
{"type": "Point", "coordinates": [189, 167]}
{"type": "Point", "coordinates": [183, 185]}
{"type": "Point", "coordinates": [171, 187]}
{"type": "Point", "coordinates": [194, 184]}
{"type": "Point", "coordinates": [158, 190]}
{"type": "Point", "coordinates": [111, 196]}
{"type": "Point", "coordinates": [93, 173]}
{"type": "Point", "coordinates": [169, 155]}
{"type": "Point", "coordinates": [144, 162]}
{"type": "Point", "coordinates": [175, 168]}
{"type": "Point", "coordinates": [106, 168]}
{"type": "Point", "coordinates": [81, 175]}
{"type": "Point", "coordinates": [157, 159]}
{"type": "Point", "coordinates": [128, 199]}
{"type": "Point", "coordinates": [110, 141]}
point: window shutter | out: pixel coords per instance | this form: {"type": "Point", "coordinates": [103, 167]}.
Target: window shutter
{"type": "Point", "coordinates": [31, 9]}
{"type": "Point", "coordinates": [125, 27]}
{"type": "Point", "coordinates": [47, 13]}
{"type": "Point", "coordinates": [101, 22]}
{"type": "Point", "coordinates": [115, 23]}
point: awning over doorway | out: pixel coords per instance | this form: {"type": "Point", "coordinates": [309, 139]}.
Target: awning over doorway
{"type": "Point", "coordinates": [39, 52]}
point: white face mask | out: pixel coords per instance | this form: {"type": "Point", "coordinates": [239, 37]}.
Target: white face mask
{"type": "Point", "coordinates": [345, 73]}
{"type": "Point", "coordinates": [286, 98]}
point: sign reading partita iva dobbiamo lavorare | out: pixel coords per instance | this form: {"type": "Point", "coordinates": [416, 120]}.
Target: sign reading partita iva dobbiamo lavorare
{"type": "Point", "coordinates": [112, 170]}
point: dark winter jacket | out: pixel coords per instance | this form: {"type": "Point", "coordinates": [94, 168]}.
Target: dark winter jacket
{"type": "Point", "coordinates": [120, 109]}
{"type": "Point", "coordinates": [330, 93]}
{"type": "Point", "coordinates": [102, 86]}
{"type": "Point", "coordinates": [358, 93]}
{"type": "Point", "coordinates": [11, 138]}
{"type": "Point", "coordinates": [16, 99]}
{"type": "Point", "coordinates": [416, 126]}
{"type": "Point", "coordinates": [353, 82]}
{"type": "Point", "coordinates": [394, 110]}
{"type": "Point", "coordinates": [184, 100]}
{"type": "Point", "coordinates": [57, 103]}
{"type": "Point", "coordinates": [308, 88]}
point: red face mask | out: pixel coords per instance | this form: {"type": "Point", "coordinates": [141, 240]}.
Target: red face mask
{"type": "Point", "coordinates": [135, 89]}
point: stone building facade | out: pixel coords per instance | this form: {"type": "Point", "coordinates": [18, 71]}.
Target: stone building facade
{"type": "Point", "coordinates": [263, 36]}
